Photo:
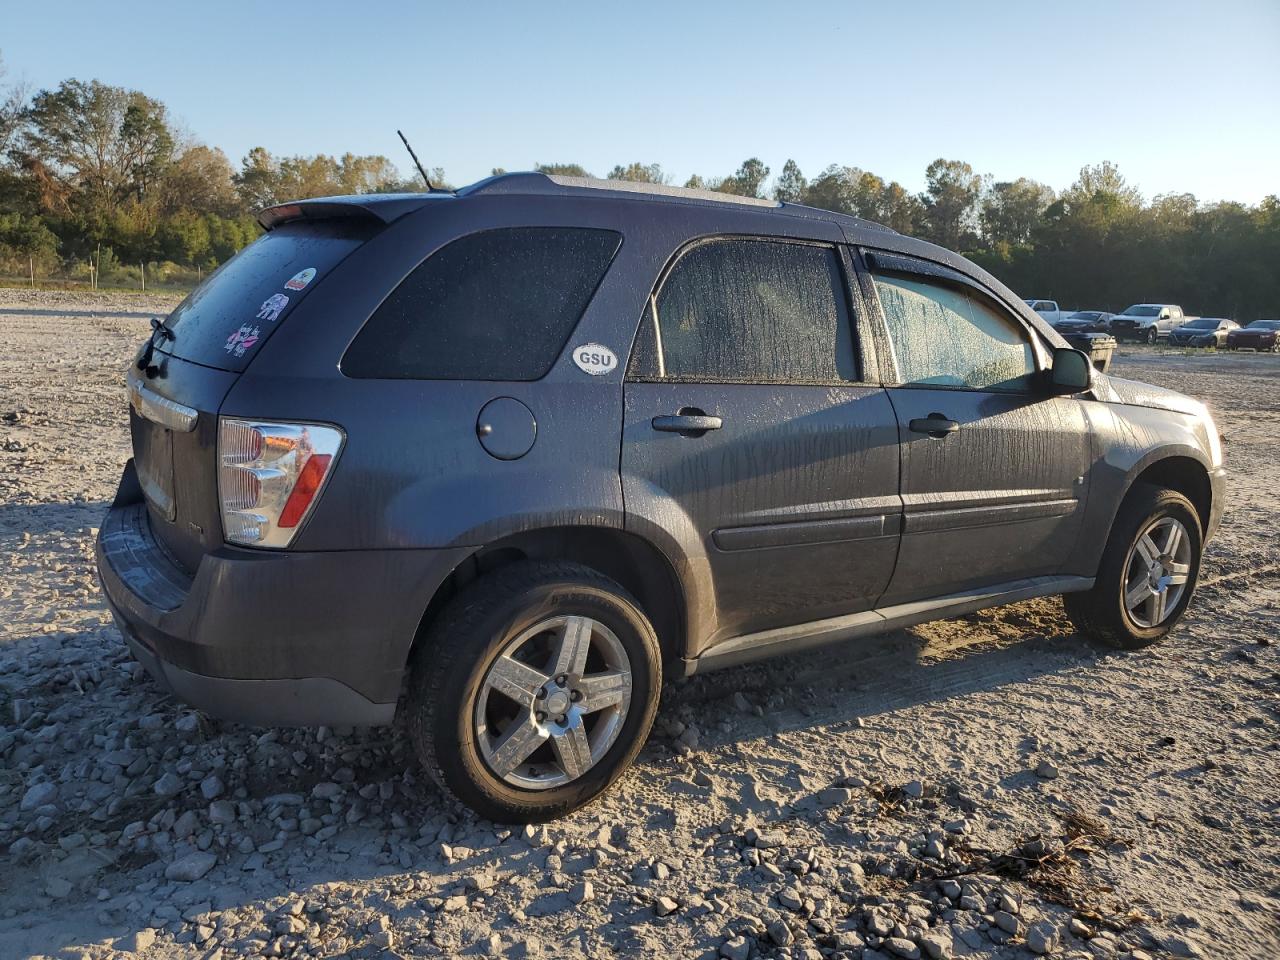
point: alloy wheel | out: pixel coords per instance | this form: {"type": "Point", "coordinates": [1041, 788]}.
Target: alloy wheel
{"type": "Point", "coordinates": [553, 702]}
{"type": "Point", "coordinates": [1156, 572]}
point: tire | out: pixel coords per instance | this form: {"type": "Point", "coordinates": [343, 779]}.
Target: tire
{"type": "Point", "coordinates": [449, 696]}
{"type": "Point", "coordinates": [1102, 613]}
{"type": "Point", "coordinates": [1152, 336]}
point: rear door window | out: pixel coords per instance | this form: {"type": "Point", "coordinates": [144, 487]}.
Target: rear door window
{"type": "Point", "coordinates": [749, 311]}
{"type": "Point", "coordinates": [225, 320]}
{"type": "Point", "coordinates": [495, 305]}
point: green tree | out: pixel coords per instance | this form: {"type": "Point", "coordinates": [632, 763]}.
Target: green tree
{"type": "Point", "coordinates": [200, 179]}
{"type": "Point", "coordinates": [258, 179]}
{"type": "Point", "coordinates": [107, 144]}
{"type": "Point", "coordinates": [640, 173]}
{"type": "Point", "coordinates": [561, 169]}
{"type": "Point", "coordinates": [13, 105]}
{"type": "Point", "coordinates": [748, 181]}
{"type": "Point", "coordinates": [950, 199]}
{"type": "Point", "coordinates": [791, 184]}
{"type": "Point", "coordinates": [1011, 210]}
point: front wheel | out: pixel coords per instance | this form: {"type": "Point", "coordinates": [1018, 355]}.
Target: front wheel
{"type": "Point", "coordinates": [1148, 571]}
{"type": "Point", "coordinates": [1152, 336]}
{"type": "Point", "coordinates": [534, 690]}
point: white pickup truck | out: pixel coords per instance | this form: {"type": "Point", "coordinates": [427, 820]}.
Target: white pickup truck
{"type": "Point", "coordinates": [1048, 309]}
{"type": "Point", "coordinates": [1148, 322]}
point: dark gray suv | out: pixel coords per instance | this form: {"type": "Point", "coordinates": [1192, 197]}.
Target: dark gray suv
{"type": "Point", "coordinates": [504, 458]}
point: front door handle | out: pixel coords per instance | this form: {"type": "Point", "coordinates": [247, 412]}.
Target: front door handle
{"type": "Point", "coordinates": [690, 422]}
{"type": "Point", "coordinates": [935, 425]}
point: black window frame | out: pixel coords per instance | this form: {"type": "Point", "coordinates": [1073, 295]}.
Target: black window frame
{"type": "Point", "coordinates": [556, 356]}
{"type": "Point", "coordinates": [849, 299]}
{"type": "Point", "coordinates": [920, 270]}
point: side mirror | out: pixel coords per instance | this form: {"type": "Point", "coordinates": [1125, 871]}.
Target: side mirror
{"type": "Point", "coordinates": [1072, 371]}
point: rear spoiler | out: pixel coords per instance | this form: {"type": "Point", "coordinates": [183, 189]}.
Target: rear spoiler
{"type": "Point", "coordinates": [382, 207]}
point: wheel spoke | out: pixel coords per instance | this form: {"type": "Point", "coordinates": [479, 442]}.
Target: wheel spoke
{"type": "Point", "coordinates": [1148, 550]}
{"type": "Point", "coordinates": [516, 680]}
{"type": "Point", "coordinates": [600, 690]}
{"type": "Point", "coordinates": [1158, 607]}
{"type": "Point", "coordinates": [573, 750]}
{"type": "Point", "coordinates": [1137, 594]}
{"type": "Point", "coordinates": [1175, 538]}
{"type": "Point", "coordinates": [517, 742]}
{"type": "Point", "coordinates": [1177, 573]}
{"type": "Point", "coordinates": [575, 644]}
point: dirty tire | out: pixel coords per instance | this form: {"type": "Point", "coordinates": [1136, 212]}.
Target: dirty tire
{"type": "Point", "coordinates": [448, 670]}
{"type": "Point", "coordinates": [1100, 613]}
{"type": "Point", "coordinates": [1152, 336]}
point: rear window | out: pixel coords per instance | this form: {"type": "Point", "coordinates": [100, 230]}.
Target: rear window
{"type": "Point", "coordinates": [495, 305]}
{"type": "Point", "coordinates": [225, 320]}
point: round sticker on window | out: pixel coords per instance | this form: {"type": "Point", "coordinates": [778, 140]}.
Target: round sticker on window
{"type": "Point", "coordinates": [594, 358]}
{"type": "Point", "coordinates": [300, 279]}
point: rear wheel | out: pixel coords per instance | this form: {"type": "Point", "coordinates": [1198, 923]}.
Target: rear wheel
{"type": "Point", "coordinates": [1148, 571]}
{"type": "Point", "coordinates": [534, 691]}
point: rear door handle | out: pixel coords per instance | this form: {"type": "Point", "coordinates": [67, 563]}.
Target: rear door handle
{"type": "Point", "coordinates": [690, 421]}
{"type": "Point", "coordinates": [935, 425]}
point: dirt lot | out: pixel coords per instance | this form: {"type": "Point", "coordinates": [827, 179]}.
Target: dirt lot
{"type": "Point", "coordinates": [992, 786]}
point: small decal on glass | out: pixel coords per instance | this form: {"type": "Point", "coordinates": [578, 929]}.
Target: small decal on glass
{"type": "Point", "coordinates": [242, 340]}
{"type": "Point", "coordinates": [594, 358]}
{"type": "Point", "coordinates": [300, 279]}
{"type": "Point", "coordinates": [271, 307]}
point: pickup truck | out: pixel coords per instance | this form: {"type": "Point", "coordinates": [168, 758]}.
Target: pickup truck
{"type": "Point", "coordinates": [1148, 322]}
{"type": "Point", "coordinates": [1048, 310]}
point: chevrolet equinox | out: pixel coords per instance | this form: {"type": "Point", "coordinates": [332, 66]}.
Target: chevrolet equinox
{"type": "Point", "coordinates": [504, 458]}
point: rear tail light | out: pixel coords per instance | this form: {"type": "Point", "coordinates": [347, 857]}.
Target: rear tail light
{"type": "Point", "coordinates": [270, 476]}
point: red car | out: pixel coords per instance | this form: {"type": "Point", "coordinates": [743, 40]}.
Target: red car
{"type": "Point", "coordinates": [1259, 335]}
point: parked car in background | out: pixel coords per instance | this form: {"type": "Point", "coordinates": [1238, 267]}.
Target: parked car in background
{"type": "Point", "coordinates": [1085, 321]}
{"type": "Point", "coordinates": [1147, 322]}
{"type": "Point", "coordinates": [1048, 310]}
{"type": "Point", "coordinates": [1202, 332]}
{"type": "Point", "coordinates": [1259, 335]}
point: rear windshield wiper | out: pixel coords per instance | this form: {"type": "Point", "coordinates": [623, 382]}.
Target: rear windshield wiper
{"type": "Point", "coordinates": [158, 329]}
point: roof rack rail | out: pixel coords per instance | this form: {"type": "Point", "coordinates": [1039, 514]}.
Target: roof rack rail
{"type": "Point", "coordinates": [555, 184]}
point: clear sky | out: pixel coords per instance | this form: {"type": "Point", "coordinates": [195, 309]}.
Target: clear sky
{"type": "Point", "coordinates": [1183, 96]}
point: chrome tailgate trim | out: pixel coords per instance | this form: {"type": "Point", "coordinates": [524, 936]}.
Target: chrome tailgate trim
{"type": "Point", "coordinates": [161, 410]}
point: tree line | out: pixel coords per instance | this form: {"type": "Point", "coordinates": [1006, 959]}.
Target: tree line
{"type": "Point", "coordinates": [93, 176]}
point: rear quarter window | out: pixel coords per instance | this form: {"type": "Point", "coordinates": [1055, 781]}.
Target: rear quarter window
{"type": "Point", "coordinates": [225, 320]}
{"type": "Point", "coordinates": [494, 305]}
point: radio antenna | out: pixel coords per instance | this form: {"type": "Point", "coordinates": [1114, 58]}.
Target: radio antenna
{"type": "Point", "coordinates": [427, 180]}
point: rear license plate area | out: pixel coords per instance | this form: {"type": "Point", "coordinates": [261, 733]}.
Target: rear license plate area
{"type": "Point", "coordinates": [153, 457]}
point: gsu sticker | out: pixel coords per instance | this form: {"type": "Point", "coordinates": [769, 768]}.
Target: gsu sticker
{"type": "Point", "coordinates": [595, 359]}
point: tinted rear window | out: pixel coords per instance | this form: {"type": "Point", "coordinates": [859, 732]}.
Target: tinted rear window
{"type": "Point", "coordinates": [495, 305]}
{"type": "Point", "coordinates": [225, 320]}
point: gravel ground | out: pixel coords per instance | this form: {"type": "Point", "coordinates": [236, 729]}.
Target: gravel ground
{"type": "Point", "coordinates": [992, 786]}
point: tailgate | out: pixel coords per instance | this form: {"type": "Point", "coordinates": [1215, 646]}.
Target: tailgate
{"type": "Point", "coordinates": [173, 419]}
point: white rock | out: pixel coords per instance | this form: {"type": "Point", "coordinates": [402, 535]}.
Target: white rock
{"type": "Point", "coordinates": [190, 868]}
{"type": "Point", "coordinates": [38, 796]}
{"type": "Point", "coordinates": [1046, 770]}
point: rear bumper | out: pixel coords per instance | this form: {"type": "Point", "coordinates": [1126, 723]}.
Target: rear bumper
{"type": "Point", "coordinates": [277, 638]}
